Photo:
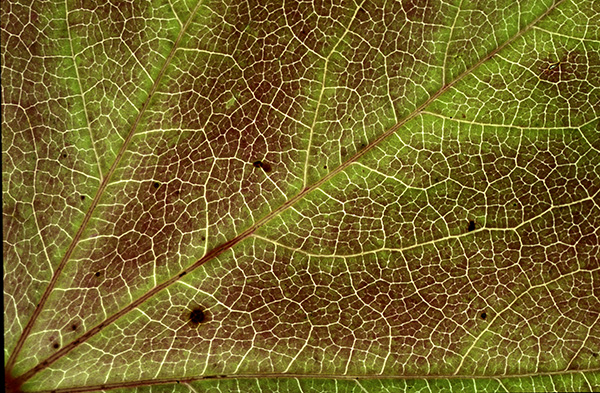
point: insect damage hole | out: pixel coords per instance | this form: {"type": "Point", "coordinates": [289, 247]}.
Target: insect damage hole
{"type": "Point", "coordinates": [483, 315]}
{"type": "Point", "coordinates": [197, 316]}
{"type": "Point", "coordinates": [471, 226]}
{"type": "Point", "coordinates": [264, 165]}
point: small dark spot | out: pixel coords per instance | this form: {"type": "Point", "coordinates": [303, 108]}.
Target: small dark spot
{"type": "Point", "coordinates": [211, 376]}
{"type": "Point", "coordinates": [324, 166]}
{"type": "Point", "coordinates": [463, 116]}
{"type": "Point", "coordinates": [483, 315]}
{"type": "Point", "coordinates": [55, 346]}
{"type": "Point", "coordinates": [471, 226]}
{"type": "Point", "coordinates": [595, 354]}
{"type": "Point", "coordinates": [197, 316]}
{"type": "Point", "coordinates": [64, 155]}
{"type": "Point", "coordinates": [182, 274]}
{"type": "Point", "coordinates": [203, 238]}
{"type": "Point", "coordinates": [362, 145]}
{"type": "Point", "coordinates": [82, 197]}
{"type": "Point", "coordinates": [156, 184]}
{"type": "Point", "coordinates": [343, 151]}
{"type": "Point", "coordinates": [264, 165]}
{"type": "Point", "coordinates": [74, 327]}
{"type": "Point", "coordinates": [97, 274]}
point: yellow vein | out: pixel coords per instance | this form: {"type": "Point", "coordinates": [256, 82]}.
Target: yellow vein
{"type": "Point", "coordinates": [323, 83]}
{"type": "Point", "coordinates": [87, 117]}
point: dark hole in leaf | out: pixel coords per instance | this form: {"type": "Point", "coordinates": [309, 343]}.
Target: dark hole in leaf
{"type": "Point", "coordinates": [197, 316]}
{"type": "Point", "coordinates": [156, 184]}
{"type": "Point", "coordinates": [264, 165]}
{"type": "Point", "coordinates": [325, 167]}
{"type": "Point", "coordinates": [97, 274]}
{"type": "Point", "coordinates": [483, 315]}
{"type": "Point", "coordinates": [64, 155]}
{"type": "Point", "coordinates": [594, 354]}
{"type": "Point", "coordinates": [74, 327]}
{"type": "Point", "coordinates": [55, 346]}
{"type": "Point", "coordinates": [471, 226]}
{"type": "Point", "coordinates": [203, 238]}
{"type": "Point", "coordinates": [82, 197]}
{"type": "Point", "coordinates": [182, 274]}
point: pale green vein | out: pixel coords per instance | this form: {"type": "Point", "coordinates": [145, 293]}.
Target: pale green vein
{"type": "Point", "coordinates": [87, 117]}
{"type": "Point", "coordinates": [323, 83]}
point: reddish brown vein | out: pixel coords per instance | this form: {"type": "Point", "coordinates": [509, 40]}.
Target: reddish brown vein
{"type": "Point", "coordinates": [339, 377]}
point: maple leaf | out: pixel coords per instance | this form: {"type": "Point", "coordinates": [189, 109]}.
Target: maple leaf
{"type": "Point", "coordinates": [301, 196]}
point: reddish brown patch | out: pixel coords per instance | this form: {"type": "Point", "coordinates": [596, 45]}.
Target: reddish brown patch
{"type": "Point", "coordinates": [567, 66]}
{"type": "Point", "coordinates": [11, 384]}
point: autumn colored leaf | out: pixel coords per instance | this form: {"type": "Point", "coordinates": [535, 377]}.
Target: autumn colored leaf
{"type": "Point", "coordinates": [301, 196]}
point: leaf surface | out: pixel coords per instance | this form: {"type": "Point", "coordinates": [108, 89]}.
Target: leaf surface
{"type": "Point", "coordinates": [301, 196]}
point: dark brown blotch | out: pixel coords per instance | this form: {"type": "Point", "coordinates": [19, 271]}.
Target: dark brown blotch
{"type": "Point", "coordinates": [264, 165]}
{"type": "Point", "coordinates": [471, 226]}
{"type": "Point", "coordinates": [197, 316]}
